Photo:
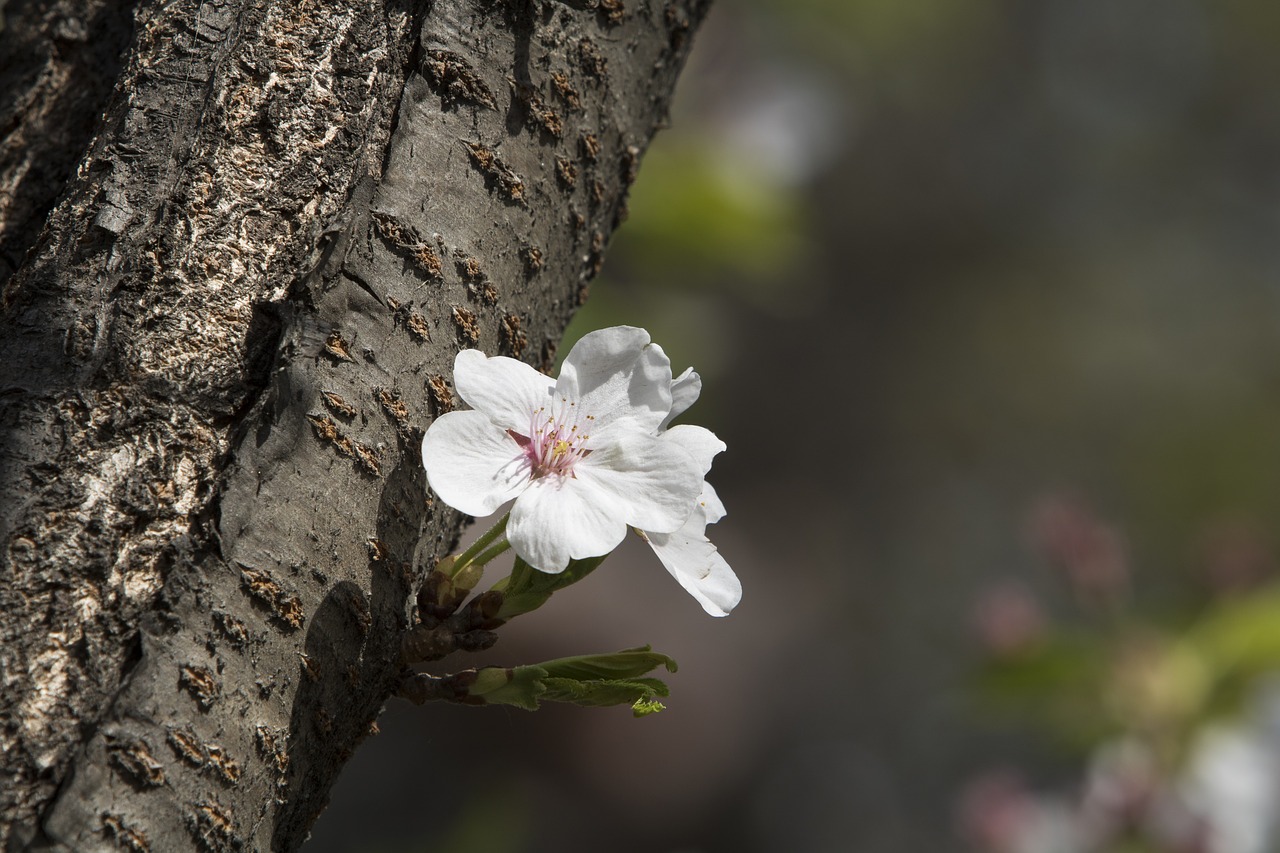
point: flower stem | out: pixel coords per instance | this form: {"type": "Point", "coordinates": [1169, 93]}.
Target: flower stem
{"type": "Point", "coordinates": [477, 549]}
{"type": "Point", "coordinates": [526, 589]}
{"type": "Point", "coordinates": [490, 553]}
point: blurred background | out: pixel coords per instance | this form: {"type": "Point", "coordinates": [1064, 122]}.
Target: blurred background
{"type": "Point", "coordinates": [985, 300]}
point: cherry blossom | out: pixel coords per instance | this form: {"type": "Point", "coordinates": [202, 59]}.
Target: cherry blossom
{"type": "Point", "coordinates": [581, 455]}
{"type": "Point", "coordinates": [687, 553]}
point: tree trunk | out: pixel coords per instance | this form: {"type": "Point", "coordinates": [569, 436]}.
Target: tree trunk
{"type": "Point", "coordinates": [243, 240]}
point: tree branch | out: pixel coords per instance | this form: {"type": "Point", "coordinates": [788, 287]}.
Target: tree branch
{"type": "Point", "coordinates": [223, 349]}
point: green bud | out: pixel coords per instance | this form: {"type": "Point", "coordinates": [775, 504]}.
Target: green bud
{"type": "Point", "coordinates": [447, 586]}
{"type": "Point", "coordinates": [520, 686]}
{"type": "Point", "coordinates": [466, 580]}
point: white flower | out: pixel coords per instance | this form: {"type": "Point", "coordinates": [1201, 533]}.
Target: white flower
{"type": "Point", "coordinates": [580, 454]}
{"type": "Point", "coordinates": [1232, 778]}
{"type": "Point", "coordinates": [687, 553]}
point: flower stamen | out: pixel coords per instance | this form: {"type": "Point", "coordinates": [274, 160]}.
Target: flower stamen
{"type": "Point", "coordinates": [554, 444]}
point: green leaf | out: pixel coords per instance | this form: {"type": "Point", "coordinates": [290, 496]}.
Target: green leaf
{"type": "Point", "coordinates": [641, 708]}
{"type": "Point", "coordinates": [604, 692]}
{"type": "Point", "coordinates": [627, 663]}
{"type": "Point", "coordinates": [588, 680]}
{"type": "Point", "coordinates": [694, 207]}
{"type": "Point", "coordinates": [1055, 666]}
{"type": "Point", "coordinates": [1241, 636]}
{"type": "Point", "coordinates": [1057, 684]}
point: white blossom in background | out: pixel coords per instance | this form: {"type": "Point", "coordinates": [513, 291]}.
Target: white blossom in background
{"type": "Point", "coordinates": [580, 455]}
{"type": "Point", "coordinates": [1224, 799]}
{"type": "Point", "coordinates": [1232, 779]}
{"type": "Point", "coordinates": [687, 553]}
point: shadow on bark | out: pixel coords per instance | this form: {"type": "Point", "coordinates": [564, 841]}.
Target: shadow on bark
{"type": "Point", "coordinates": [349, 641]}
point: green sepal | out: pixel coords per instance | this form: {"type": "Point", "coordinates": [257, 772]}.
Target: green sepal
{"type": "Point", "coordinates": [527, 589]}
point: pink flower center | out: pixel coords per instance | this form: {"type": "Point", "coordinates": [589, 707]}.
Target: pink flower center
{"type": "Point", "coordinates": [555, 441]}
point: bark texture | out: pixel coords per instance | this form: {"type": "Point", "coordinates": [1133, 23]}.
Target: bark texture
{"type": "Point", "coordinates": [245, 241]}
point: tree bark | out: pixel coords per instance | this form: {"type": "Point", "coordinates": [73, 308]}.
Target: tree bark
{"type": "Point", "coordinates": [243, 241]}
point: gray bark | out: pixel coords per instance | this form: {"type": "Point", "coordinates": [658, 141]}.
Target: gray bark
{"type": "Point", "coordinates": [243, 241]}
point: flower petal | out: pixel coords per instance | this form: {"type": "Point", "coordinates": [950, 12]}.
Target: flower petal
{"type": "Point", "coordinates": [693, 561]}
{"type": "Point", "coordinates": [685, 389]}
{"type": "Point", "coordinates": [656, 482]}
{"type": "Point", "coordinates": [474, 465]}
{"type": "Point", "coordinates": [506, 390]}
{"type": "Point", "coordinates": [619, 378]}
{"type": "Point", "coordinates": [563, 518]}
{"type": "Point", "coordinates": [710, 503]}
{"type": "Point", "coordinates": [699, 442]}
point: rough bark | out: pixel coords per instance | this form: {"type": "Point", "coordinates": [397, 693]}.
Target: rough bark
{"type": "Point", "coordinates": [240, 274]}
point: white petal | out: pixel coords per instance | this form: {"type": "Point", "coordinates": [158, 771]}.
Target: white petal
{"type": "Point", "coordinates": [685, 389]}
{"type": "Point", "coordinates": [693, 561]}
{"type": "Point", "coordinates": [618, 378]}
{"type": "Point", "coordinates": [558, 519]}
{"type": "Point", "coordinates": [698, 442]}
{"type": "Point", "coordinates": [506, 390]}
{"type": "Point", "coordinates": [473, 464]}
{"type": "Point", "coordinates": [711, 504]}
{"type": "Point", "coordinates": [655, 481]}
